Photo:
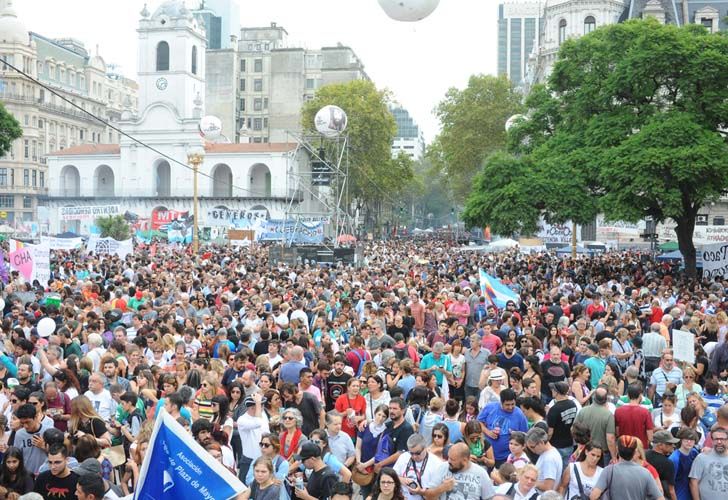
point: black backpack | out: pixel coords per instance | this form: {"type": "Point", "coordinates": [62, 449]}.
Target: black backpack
{"type": "Point", "coordinates": [401, 352]}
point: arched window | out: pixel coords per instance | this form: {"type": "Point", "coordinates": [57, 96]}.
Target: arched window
{"type": "Point", "coordinates": [194, 59]}
{"type": "Point", "coordinates": [562, 31]}
{"type": "Point", "coordinates": [590, 24]}
{"type": "Point", "coordinates": [162, 56]}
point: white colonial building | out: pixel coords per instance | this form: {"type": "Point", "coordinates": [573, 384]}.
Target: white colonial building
{"type": "Point", "coordinates": [147, 174]}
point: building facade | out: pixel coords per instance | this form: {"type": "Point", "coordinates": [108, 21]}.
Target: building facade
{"type": "Point", "coordinates": [409, 138]}
{"type": "Point", "coordinates": [221, 21]}
{"type": "Point", "coordinates": [149, 175]}
{"type": "Point", "coordinates": [518, 23]}
{"type": "Point", "coordinates": [258, 88]}
{"type": "Point", "coordinates": [48, 122]}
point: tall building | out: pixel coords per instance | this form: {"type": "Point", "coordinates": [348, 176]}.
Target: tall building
{"type": "Point", "coordinates": [221, 19]}
{"type": "Point", "coordinates": [518, 22]}
{"type": "Point", "coordinates": [258, 89]}
{"type": "Point", "coordinates": [48, 122]}
{"type": "Point", "coordinates": [153, 186]}
{"type": "Point", "coordinates": [409, 139]}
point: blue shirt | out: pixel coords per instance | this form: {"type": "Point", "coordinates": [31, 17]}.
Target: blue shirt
{"type": "Point", "coordinates": [429, 361]}
{"type": "Point", "coordinates": [682, 464]}
{"type": "Point", "coordinates": [493, 415]}
{"type": "Point", "coordinates": [406, 383]}
{"type": "Point", "coordinates": [291, 372]}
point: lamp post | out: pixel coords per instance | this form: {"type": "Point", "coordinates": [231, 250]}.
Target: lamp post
{"type": "Point", "coordinates": [195, 156]}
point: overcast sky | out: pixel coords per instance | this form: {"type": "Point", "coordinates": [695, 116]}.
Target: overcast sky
{"type": "Point", "coordinates": [418, 62]}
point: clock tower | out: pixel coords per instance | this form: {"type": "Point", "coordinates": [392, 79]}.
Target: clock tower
{"type": "Point", "coordinates": [171, 60]}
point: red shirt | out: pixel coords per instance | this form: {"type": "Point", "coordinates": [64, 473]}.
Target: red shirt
{"type": "Point", "coordinates": [633, 420]}
{"type": "Point", "coordinates": [358, 404]}
{"type": "Point", "coordinates": [353, 360]}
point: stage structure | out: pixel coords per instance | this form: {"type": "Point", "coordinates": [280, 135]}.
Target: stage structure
{"type": "Point", "coordinates": [326, 182]}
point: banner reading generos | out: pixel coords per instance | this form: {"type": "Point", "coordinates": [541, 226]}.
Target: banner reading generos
{"type": "Point", "coordinates": [88, 213]}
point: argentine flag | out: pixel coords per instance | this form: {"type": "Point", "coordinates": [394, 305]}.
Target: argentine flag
{"type": "Point", "coordinates": [495, 291]}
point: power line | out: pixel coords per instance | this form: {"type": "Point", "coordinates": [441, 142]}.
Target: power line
{"type": "Point", "coordinates": [141, 143]}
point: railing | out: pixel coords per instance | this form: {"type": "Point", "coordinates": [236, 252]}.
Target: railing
{"type": "Point", "coordinates": [53, 108]}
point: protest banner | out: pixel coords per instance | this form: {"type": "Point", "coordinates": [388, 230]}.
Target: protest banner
{"type": "Point", "coordinates": [683, 346]}
{"type": "Point", "coordinates": [101, 246]}
{"type": "Point", "coordinates": [22, 261]}
{"type": "Point", "coordinates": [40, 256]}
{"type": "Point", "coordinates": [62, 243]}
{"type": "Point", "coordinates": [292, 231]}
{"type": "Point", "coordinates": [176, 466]}
{"type": "Point", "coordinates": [715, 260]}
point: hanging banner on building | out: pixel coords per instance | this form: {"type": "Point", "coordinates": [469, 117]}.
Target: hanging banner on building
{"type": "Point", "coordinates": [240, 218]}
{"type": "Point", "coordinates": [62, 243]}
{"type": "Point", "coordinates": [88, 213]}
{"type": "Point", "coordinates": [293, 232]}
{"type": "Point", "coordinates": [164, 217]}
{"type": "Point", "coordinates": [109, 246]}
{"type": "Point", "coordinates": [715, 260]}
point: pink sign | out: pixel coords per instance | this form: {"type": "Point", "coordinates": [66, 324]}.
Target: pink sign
{"type": "Point", "coordinates": [22, 261]}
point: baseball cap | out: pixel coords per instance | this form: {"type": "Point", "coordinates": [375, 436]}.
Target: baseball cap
{"type": "Point", "coordinates": [664, 437]}
{"type": "Point", "coordinates": [308, 450]}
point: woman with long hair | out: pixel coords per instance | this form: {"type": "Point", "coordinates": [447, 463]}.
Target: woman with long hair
{"type": "Point", "coordinates": [588, 470]}
{"type": "Point", "coordinates": [264, 484]}
{"type": "Point", "coordinates": [470, 411]}
{"type": "Point", "coordinates": [387, 486]}
{"type": "Point", "coordinates": [440, 443]}
{"type": "Point", "coordinates": [612, 370]}
{"type": "Point", "coordinates": [85, 420]}
{"type": "Point", "coordinates": [352, 407]}
{"type": "Point", "coordinates": [143, 379]}
{"type": "Point", "coordinates": [221, 419]}
{"type": "Point", "coordinates": [456, 388]}
{"type": "Point", "coordinates": [376, 396]}
{"type": "Point", "coordinates": [87, 447]}
{"type": "Point", "coordinates": [667, 417]}
{"type": "Point", "coordinates": [688, 386]}
{"type": "Point", "coordinates": [270, 448]}
{"type": "Point", "coordinates": [533, 371]}
{"type": "Point", "coordinates": [235, 398]}
{"type": "Point", "coordinates": [203, 398]}
{"type": "Point", "coordinates": [68, 384]}
{"type": "Point", "coordinates": [13, 475]}
{"type": "Point", "coordinates": [481, 451]}
{"type": "Point", "coordinates": [579, 385]}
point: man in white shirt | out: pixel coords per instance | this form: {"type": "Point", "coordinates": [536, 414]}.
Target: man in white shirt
{"type": "Point", "coordinates": [100, 398]}
{"type": "Point", "coordinates": [461, 478]}
{"type": "Point", "coordinates": [418, 469]}
{"type": "Point", "coordinates": [95, 350]}
{"type": "Point", "coordinates": [251, 425]}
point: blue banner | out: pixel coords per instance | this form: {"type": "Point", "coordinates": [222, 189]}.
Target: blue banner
{"type": "Point", "coordinates": [292, 231]}
{"type": "Point", "coordinates": [177, 467]}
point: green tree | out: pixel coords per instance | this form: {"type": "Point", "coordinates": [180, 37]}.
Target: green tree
{"type": "Point", "coordinates": [374, 175]}
{"type": "Point", "coordinates": [113, 226]}
{"type": "Point", "coordinates": [629, 125]}
{"type": "Point", "coordinates": [9, 130]}
{"type": "Point", "coordinates": [473, 126]}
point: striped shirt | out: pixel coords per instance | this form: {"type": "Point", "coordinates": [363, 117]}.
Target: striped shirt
{"type": "Point", "coordinates": [653, 344]}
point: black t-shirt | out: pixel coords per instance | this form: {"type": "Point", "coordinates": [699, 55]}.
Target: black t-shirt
{"type": "Point", "coordinates": [664, 467]}
{"type": "Point", "coordinates": [553, 373]}
{"type": "Point", "coordinates": [261, 347]}
{"type": "Point", "coordinates": [404, 330]}
{"type": "Point", "coordinates": [96, 427]}
{"type": "Point", "coordinates": [56, 488]}
{"type": "Point", "coordinates": [321, 483]}
{"type": "Point", "coordinates": [310, 409]}
{"type": "Point", "coordinates": [400, 435]}
{"type": "Point", "coordinates": [560, 418]}
{"type": "Point", "coordinates": [337, 387]}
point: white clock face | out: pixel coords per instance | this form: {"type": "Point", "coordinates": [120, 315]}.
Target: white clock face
{"type": "Point", "coordinates": [162, 83]}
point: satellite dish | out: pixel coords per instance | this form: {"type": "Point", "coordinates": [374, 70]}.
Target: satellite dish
{"type": "Point", "coordinates": [330, 121]}
{"type": "Point", "coordinates": [408, 11]}
{"type": "Point", "coordinates": [210, 127]}
{"type": "Point", "coordinates": [513, 120]}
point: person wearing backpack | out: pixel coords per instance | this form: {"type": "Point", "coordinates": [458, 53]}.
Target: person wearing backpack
{"type": "Point", "coordinates": [357, 355]}
{"type": "Point", "coordinates": [321, 482]}
{"type": "Point", "coordinates": [129, 428]}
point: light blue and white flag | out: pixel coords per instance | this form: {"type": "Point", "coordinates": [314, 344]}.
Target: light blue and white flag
{"type": "Point", "coordinates": [498, 293]}
{"type": "Point", "coordinates": [177, 467]}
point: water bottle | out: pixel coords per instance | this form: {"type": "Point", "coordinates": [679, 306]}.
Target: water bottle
{"type": "Point", "coordinates": [299, 483]}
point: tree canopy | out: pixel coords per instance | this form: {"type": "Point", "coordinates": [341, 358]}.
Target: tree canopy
{"type": "Point", "coordinates": [9, 130]}
{"type": "Point", "coordinates": [113, 226]}
{"type": "Point", "coordinates": [473, 127]}
{"type": "Point", "coordinates": [628, 125]}
{"type": "Point", "coordinates": [374, 175]}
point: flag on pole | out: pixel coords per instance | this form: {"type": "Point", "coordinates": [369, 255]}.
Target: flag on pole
{"type": "Point", "coordinates": [177, 467]}
{"type": "Point", "coordinates": [498, 293]}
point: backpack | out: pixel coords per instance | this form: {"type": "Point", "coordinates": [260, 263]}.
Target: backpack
{"type": "Point", "coordinates": [362, 360]}
{"type": "Point", "coordinates": [401, 352]}
{"type": "Point", "coordinates": [480, 312]}
{"type": "Point", "coordinates": [417, 414]}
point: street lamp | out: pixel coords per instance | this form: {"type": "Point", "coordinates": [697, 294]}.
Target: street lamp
{"type": "Point", "coordinates": [195, 156]}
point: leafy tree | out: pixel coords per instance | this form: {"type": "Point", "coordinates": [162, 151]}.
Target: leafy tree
{"type": "Point", "coordinates": [628, 125]}
{"type": "Point", "coordinates": [373, 174]}
{"type": "Point", "coordinates": [9, 130]}
{"type": "Point", "coordinates": [113, 226]}
{"type": "Point", "coordinates": [473, 126]}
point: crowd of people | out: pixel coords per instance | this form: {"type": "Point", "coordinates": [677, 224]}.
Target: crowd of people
{"type": "Point", "coordinates": [398, 379]}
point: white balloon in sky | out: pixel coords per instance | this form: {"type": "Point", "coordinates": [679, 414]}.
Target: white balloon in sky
{"type": "Point", "coordinates": [409, 10]}
{"type": "Point", "coordinates": [330, 121]}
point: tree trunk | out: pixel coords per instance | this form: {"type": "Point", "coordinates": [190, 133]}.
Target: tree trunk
{"type": "Point", "coordinates": [685, 228]}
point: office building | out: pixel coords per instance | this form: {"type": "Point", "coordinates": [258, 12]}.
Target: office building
{"type": "Point", "coordinates": [409, 138]}
{"type": "Point", "coordinates": [518, 22]}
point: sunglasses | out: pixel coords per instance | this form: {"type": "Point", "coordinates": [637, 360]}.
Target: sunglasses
{"type": "Point", "coordinates": [438, 436]}
{"type": "Point", "coordinates": [265, 445]}
{"type": "Point", "coordinates": [288, 417]}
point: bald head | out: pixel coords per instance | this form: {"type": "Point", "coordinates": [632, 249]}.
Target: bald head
{"type": "Point", "coordinates": [459, 451]}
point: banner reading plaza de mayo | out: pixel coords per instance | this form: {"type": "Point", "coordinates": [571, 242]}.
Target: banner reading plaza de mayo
{"type": "Point", "coordinates": [177, 467]}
